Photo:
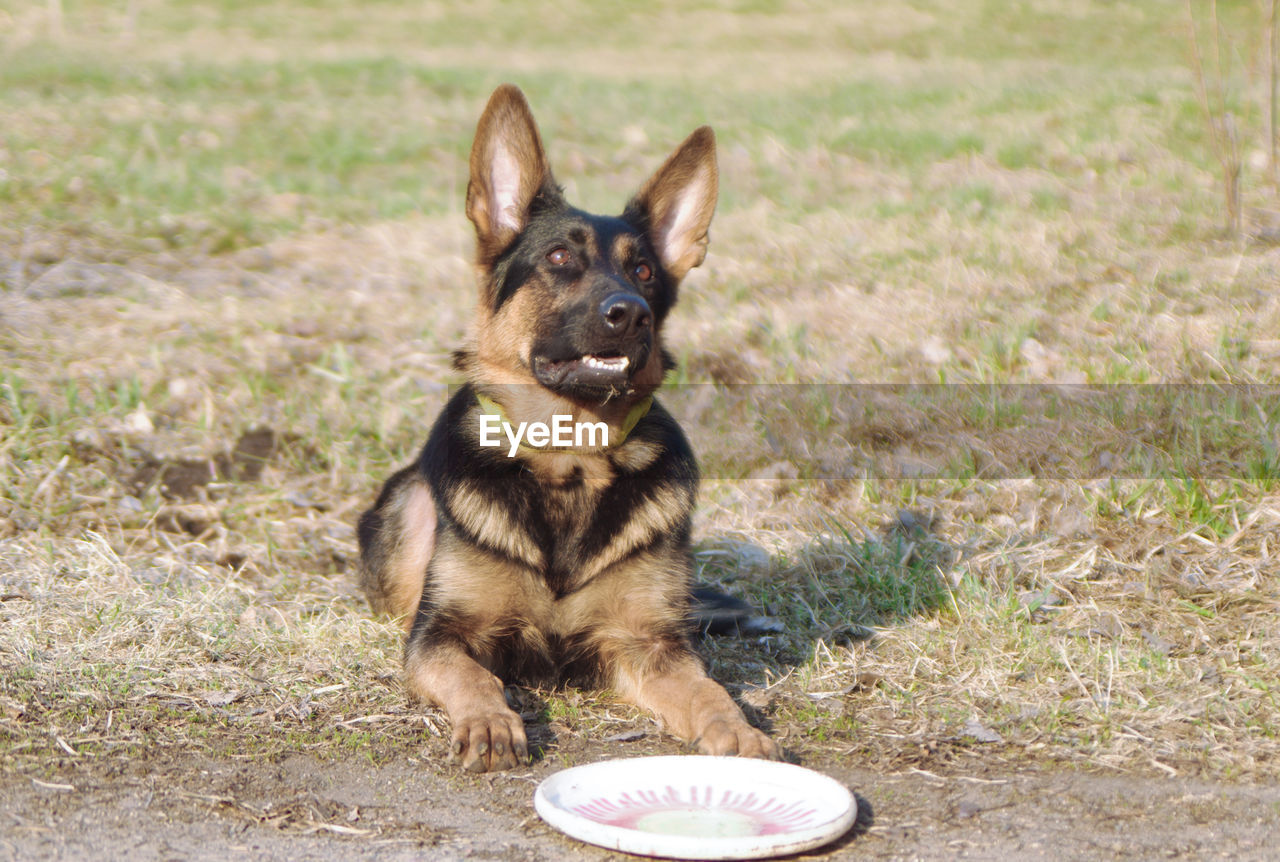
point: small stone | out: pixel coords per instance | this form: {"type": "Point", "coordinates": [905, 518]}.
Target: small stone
{"type": "Point", "coordinates": [934, 352]}
{"type": "Point", "coordinates": [975, 729]}
{"type": "Point", "coordinates": [139, 422]}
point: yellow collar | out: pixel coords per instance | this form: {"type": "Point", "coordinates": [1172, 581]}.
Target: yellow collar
{"type": "Point", "coordinates": [637, 412]}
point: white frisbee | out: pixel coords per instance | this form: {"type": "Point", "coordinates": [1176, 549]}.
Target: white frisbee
{"type": "Point", "coordinates": [697, 807]}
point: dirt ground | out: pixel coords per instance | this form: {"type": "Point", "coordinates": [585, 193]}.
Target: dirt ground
{"type": "Point", "coordinates": [185, 806]}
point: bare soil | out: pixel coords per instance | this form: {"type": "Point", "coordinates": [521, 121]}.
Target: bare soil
{"type": "Point", "coordinates": [180, 805]}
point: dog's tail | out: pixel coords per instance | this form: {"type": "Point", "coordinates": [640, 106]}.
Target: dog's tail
{"type": "Point", "coordinates": [712, 612]}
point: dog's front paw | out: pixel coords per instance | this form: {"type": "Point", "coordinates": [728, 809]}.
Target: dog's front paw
{"type": "Point", "coordinates": [489, 741]}
{"type": "Point", "coordinates": [730, 736]}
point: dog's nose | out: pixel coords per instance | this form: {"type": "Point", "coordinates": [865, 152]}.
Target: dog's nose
{"type": "Point", "coordinates": [625, 314]}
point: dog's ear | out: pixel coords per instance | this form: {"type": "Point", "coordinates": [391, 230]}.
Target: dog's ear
{"type": "Point", "coordinates": [675, 206]}
{"type": "Point", "coordinates": [508, 170]}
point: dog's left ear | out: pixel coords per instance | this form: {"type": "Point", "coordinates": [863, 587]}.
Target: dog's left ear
{"type": "Point", "coordinates": [675, 206]}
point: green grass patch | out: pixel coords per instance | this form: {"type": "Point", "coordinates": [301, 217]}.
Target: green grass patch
{"type": "Point", "coordinates": [236, 217]}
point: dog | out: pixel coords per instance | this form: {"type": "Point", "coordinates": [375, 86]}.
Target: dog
{"type": "Point", "coordinates": [514, 553]}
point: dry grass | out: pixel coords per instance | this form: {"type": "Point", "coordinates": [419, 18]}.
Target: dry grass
{"type": "Point", "coordinates": [194, 407]}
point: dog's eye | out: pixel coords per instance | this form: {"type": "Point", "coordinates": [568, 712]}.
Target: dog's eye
{"type": "Point", "coordinates": [643, 272]}
{"type": "Point", "coordinates": [559, 256]}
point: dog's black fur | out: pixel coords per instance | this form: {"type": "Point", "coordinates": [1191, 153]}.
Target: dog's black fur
{"type": "Point", "coordinates": [557, 564]}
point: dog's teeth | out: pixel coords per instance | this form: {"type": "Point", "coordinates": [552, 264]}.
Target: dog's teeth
{"type": "Point", "coordinates": [613, 363]}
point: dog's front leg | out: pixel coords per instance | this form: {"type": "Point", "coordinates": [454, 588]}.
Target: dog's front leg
{"type": "Point", "coordinates": [691, 705]}
{"type": "Point", "coordinates": [487, 734]}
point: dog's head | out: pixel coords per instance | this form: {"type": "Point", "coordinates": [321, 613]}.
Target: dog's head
{"type": "Point", "coordinates": [570, 301]}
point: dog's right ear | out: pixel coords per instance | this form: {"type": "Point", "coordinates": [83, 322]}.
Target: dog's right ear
{"type": "Point", "coordinates": [508, 171]}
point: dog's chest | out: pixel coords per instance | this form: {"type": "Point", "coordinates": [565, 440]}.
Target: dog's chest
{"type": "Point", "coordinates": [572, 533]}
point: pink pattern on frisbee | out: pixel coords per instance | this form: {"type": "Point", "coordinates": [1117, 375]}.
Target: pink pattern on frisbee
{"type": "Point", "coordinates": [770, 815]}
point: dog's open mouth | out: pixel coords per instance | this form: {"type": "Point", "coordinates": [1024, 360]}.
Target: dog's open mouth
{"type": "Point", "coordinates": [590, 375]}
{"type": "Point", "coordinates": [590, 369]}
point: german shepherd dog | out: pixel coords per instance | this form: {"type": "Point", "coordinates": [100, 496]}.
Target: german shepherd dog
{"type": "Point", "coordinates": [537, 563]}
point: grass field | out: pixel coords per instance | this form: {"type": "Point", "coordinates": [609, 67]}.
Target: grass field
{"type": "Point", "coordinates": [233, 263]}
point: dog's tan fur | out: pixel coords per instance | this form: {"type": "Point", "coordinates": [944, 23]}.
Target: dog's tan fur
{"type": "Point", "coordinates": [557, 563]}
